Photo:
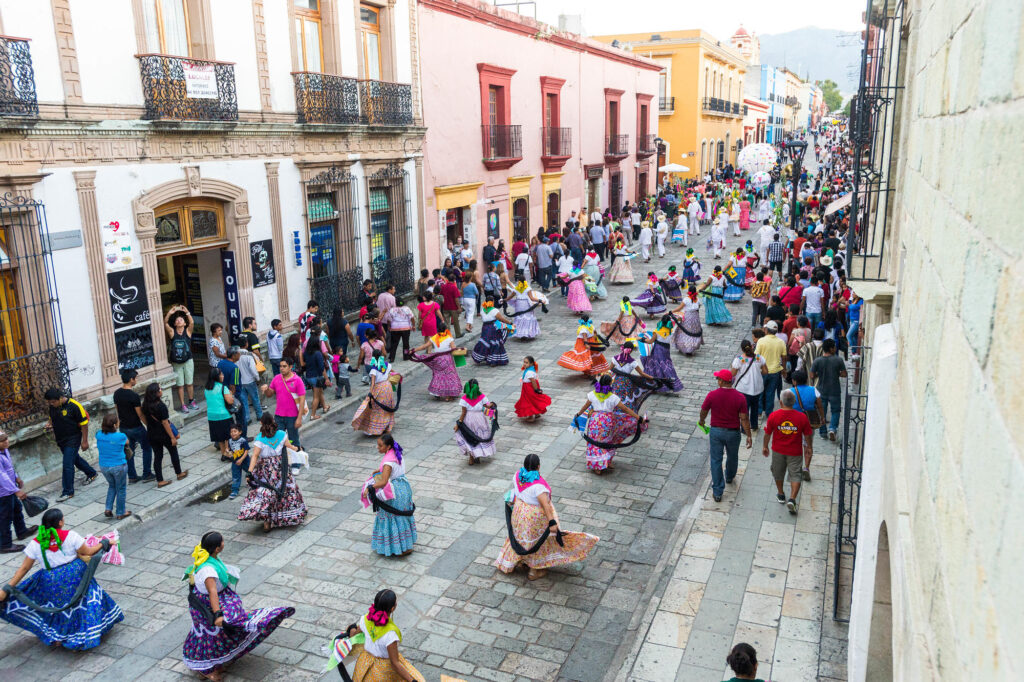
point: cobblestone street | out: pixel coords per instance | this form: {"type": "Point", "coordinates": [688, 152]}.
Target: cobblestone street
{"type": "Point", "coordinates": [674, 579]}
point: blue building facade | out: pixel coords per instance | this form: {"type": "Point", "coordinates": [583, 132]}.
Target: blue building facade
{"type": "Point", "coordinates": [773, 91]}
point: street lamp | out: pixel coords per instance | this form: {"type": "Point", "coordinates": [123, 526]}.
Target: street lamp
{"type": "Point", "coordinates": [795, 150]}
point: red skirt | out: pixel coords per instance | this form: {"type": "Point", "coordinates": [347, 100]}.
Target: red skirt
{"type": "Point", "coordinates": [530, 402]}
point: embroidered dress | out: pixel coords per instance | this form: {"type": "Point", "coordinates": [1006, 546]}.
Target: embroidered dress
{"type": "Point", "coordinates": [491, 346]}
{"type": "Point", "coordinates": [263, 504]}
{"type": "Point", "coordinates": [625, 327]}
{"type": "Point", "coordinates": [621, 271]}
{"type": "Point", "coordinates": [526, 324]}
{"type": "Point", "coordinates": [81, 627]}
{"type": "Point", "coordinates": [659, 363]}
{"type": "Point", "coordinates": [671, 285]}
{"type": "Point", "coordinates": [715, 311]}
{"type": "Point", "coordinates": [592, 266]}
{"type": "Point", "coordinates": [578, 301]}
{"type": "Point", "coordinates": [628, 392]}
{"type": "Point", "coordinates": [209, 647]}
{"type": "Point", "coordinates": [373, 663]}
{"type": "Point", "coordinates": [531, 403]}
{"type": "Point", "coordinates": [582, 358]}
{"type": "Point", "coordinates": [393, 535]}
{"type": "Point", "coordinates": [651, 300]}
{"type": "Point", "coordinates": [370, 418]}
{"type": "Point", "coordinates": [734, 286]}
{"type": "Point", "coordinates": [744, 215]}
{"type": "Point", "coordinates": [691, 270]}
{"type": "Point", "coordinates": [689, 336]}
{"type": "Point", "coordinates": [480, 424]}
{"type": "Point", "coordinates": [606, 425]}
{"type": "Point", "coordinates": [445, 381]}
{"type": "Point", "coordinates": [529, 523]}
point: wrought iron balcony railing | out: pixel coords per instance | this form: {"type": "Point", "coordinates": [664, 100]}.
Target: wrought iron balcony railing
{"type": "Point", "coordinates": [502, 142]}
{"type": "Point", "coordinates": [385, 104]}
{"type": "Point", "coordinates": [666, 104]}
{"type": "Point", "coordinates": [323, 98]}
{"type": "Point", "coordinates": [17, 79]}
{"type": "Point", "coordinates": [184, 89]}
{"type": "Point", "coordinates": [714, 104]}
{"type": "Point", "coordinates": [616, 145]}
{"type": "Point", "coordinates": [556, 141]}
{"type": "Point", "coordinates": [645, 145]}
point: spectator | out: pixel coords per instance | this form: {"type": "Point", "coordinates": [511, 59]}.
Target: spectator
{"type": "Point", "coordinates": [215, 348]}
{"type": "Point", "coordinates": [827, 371]}
{"type": "Point", "coordinates": [247, 391]}
{"type": "Point", "coordinates": [808, 401]}
{"type": "Point", "coordinates": [784, 431]}
{"type": "Point", "coordinates": [11, 495]}
{"type": "Point", "coordinates": [430, 313]}
{"type": "Point", "coordinates": [490, 253]}
{"type": "Point", "coordinates": [728, 409]}
{"type": "Point", "coordinates": [228, 367]}
{"type": "Point", "coordinates": [341, 369]}
{"type": "Point", "coordinates": [290, 392]}
{"type": "Point", "coordinates": [162, 434]}
{"type": "Point", "coordinates": [218, 414]}
{"type": "Point", "coordinates": [773, 350]}
{"type": "Point", "coordinates": [133, 425]}
{"type": "Point", "coordinates": [365, 324]}
{"type": "Point", "coordinates": [275, 346]}
{"type": "Point", "coordinates": [70, 426]}
{"type": "Point", "coordinates": [179, 354]}
{"type": "Point", "coordinates": [306, 320]}
{"type": "Point", "coordinates": [400, 321]}
{"type": "Point", "coordinates": [316, 374]}
{"type": "Point", "coordinates": [598, 236]}
{"type": "Point", "coordinates": [450, 307]}
{"type": "Point", "coordinates": [853, 316]}
{"type": "Point", "coordinates": [238, 446]}
{"type": "Point", "coordinates": [292, 351]}
{"type": "Point", "coordinates": [743, 661]}
{"type": "Point", "coordinates": [748, 371]}
{"type": "Point", "coordinates": [543, 257]}
{"type": "Point", "coordinates": [248, 340]}
{"type": "Point", "coordinates": [776, 254]}
{"type": "Point", "coordinates": [112, 447]}
{"type": "Point", "coordinates": [813, 297]}
{"type": "Point", "coordinates": [367, 295]}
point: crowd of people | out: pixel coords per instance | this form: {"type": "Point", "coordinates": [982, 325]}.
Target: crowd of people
{"type": "Point", "coordinates": [804, 322]}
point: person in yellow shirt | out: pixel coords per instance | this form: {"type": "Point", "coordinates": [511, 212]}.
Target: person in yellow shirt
{"type": "Point", "coordinates": [773, 350]}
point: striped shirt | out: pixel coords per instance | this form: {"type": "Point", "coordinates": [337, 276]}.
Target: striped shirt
{"type": "Point", "coordinates": [775, 252]}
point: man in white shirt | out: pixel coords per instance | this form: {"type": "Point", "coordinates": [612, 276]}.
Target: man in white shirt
{"type": "Point", "coordinates": [767, 233]}
{"type": "Point", "coordinates": [681, 229]}
{"type": "Point", "coordinates": [635, 219]}
{"type": "Point", "coordinates": [522, 263]}
{"type": "Point", "coordinates": [467, 253]}
{"type": "Point", "coordinates": [719, 229]}
{"type": "Point", "coordinates": [693, 213]}
{"type": "Point", "coordinates": [646, 237]}
{"type": "Point", "coordinates": [595, 217]}
{"type": "Point", "coordinates": [662, 234]}
{"type": "Point", "coordinates": [812, 299]}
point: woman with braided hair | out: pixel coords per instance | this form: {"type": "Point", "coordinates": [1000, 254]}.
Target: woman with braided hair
{"type": "Point", "coordinates": [715, 311]}
{"type": "Point", "coordinates": [536, 538]}
{"type": "Point", "coordinates": [63, 555]}
{"type": "Point", "coordinates": [585, 356]}
{"type": "Point", "coordinates": [222, 630]}
{"type": "Point", "coordinates": [378, 659]}
{"type": "Point", "coordinates": [375, 415]}
{"type": "Point", "coordinates": [652, 298]}
{"type": "Point", "coordinates": [609, 422]}
{"type": "Point", "coordinates": [627, 325]}
{"type": "Point", "coordinates": [275, 500]}
{"type": "Point", "coordinates": [394, 529]}
{"type": "Point", "coordinates": [476, 418]}
{"type": "Point", "coordinates": [625, 368]}
{"type": "Point", "coordinates": [524, 301]}
{"type": "Point", "coordinates": [490, 348]}
{"type": "Point", "coordinates": [689, 335]}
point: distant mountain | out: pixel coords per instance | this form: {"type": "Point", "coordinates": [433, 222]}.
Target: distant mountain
{"type": "Point", "coordinates": [817, 53]}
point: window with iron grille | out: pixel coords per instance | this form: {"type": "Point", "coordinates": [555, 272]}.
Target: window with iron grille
{"type": "Point", "coordinates": [335, 264]}
{"type": "Point", "coordinates": [391, 257]}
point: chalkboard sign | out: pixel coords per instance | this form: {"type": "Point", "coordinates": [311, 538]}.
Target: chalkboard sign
{"type": "Point", "coordinates": [262, 257]}
{"type": "Point", "coordinates": [128, 304]}
{"type": "Point", "coordinates": [134, 347]}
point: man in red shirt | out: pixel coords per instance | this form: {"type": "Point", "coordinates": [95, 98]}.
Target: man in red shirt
{"type": "Point", "coordinates": [728, 408]}
{"type": "Point", "coordinates": [798, 244]}
{"type": "Point", "coordinates": [450, 307]}
{"type": "Point", "coordinates": [789, 434]}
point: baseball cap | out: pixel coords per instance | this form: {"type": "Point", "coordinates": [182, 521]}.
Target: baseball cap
{"type": "Point", "coordinates": [724, 374]}
{"type": "Point", "coordinates": [772, 326]}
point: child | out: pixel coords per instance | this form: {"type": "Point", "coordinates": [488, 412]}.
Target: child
{"type": "Point", "coordinates": [238, 446]}
{"type": "Point", "coordinates": [340, 367]}
{"type": "Point", "coordinates": [366, 353]}
{"type": "Point", "coordinates": [532, 402]}
{"type": "Point", "coordinates": [275, 346]}
{"type": "Point", "coordinates": [11, 503]}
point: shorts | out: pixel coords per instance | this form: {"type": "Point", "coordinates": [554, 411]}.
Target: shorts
{"type": "Point", "coordinates": [313, 382]}
{"type": "Point", "coordinates": [793, 463]}
{"type": "Point", "coordinates": [183, 373]}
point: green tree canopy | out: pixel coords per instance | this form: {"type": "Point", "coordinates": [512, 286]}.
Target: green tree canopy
{"type": "Point", "coordinates": [830, 93]}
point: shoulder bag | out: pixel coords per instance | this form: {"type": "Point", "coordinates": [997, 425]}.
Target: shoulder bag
{"type": "Point", "coordinates": [812, 414]}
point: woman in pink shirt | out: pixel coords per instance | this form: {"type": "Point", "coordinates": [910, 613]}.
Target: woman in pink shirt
{"type": "Point", "coordinates": [429, 312]}
{"type": "Point", "coordinates": [290, 392]}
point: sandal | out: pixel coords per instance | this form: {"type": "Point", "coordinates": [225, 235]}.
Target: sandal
{"type": "Point", "coordinates": [266, 526]}
{"type": "Point", "coordinates": [124, 516]}
{"type": "Point", "coordinates": [315, 417]}
{"type": "Point", "coordinates": [536, 574]}
{"type": "Point", "coordinates": [216, 675]}
{"type": "Point", "coordinates": [161, 484]}
{"type": "Point", "coordinates": [183, 474]}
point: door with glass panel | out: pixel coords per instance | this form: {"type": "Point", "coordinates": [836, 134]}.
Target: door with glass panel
{"type": "Point", "coordinates": [309, 52]}
{"type": "Point", "coordinates": [369, 18]}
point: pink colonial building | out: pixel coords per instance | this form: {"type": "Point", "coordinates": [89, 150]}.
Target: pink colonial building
{"type": "Point", "coordinates": [525, 124]}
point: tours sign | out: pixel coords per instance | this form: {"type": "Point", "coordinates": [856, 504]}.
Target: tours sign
{"type": "Point", "coordinates": [234, 308]}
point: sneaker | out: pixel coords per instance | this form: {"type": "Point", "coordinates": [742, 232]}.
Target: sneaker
{"type": "Point", "coordinates": [148, 477]}
{"type": "Point", "coordinates": [791, 506]}
{"type": "Point", "coordinates": [718, 498]}
{"type": "Point", "coordinates": [192, 405]}
{"type": "Point", "coordinates": [90, 479]}
{"type": "Point", "coordinates": [133, 480]}
{"type": "Point", "coordinates": [781, 498]}
{"type": "Point", "coordinates": [183, 409]}
{"type": "Point", "coordinates": [232, 496]}
{"type": "Point", "coordinates": [806, 474]}
{"type": "Point", "coordinates": [730, 480]}
{"type": "Point", "coordinates": [64, 497]}
{"type": "Point", "coordinates": [225, 458]}
{"type": "Point", "coordinates": [29, 532]}
{"type": "Point", "coordinates": [832, 435]}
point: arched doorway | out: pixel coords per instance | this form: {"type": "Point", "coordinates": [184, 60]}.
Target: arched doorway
{"type": "Point", "coordinates": [521, 218]}
{"type": "Point", "coordinates": [554, 209]}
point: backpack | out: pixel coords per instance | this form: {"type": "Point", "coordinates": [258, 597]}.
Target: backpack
{"type": "Point", "coordinates": [180, 352]}
{"type": "Point", "coordinates": [796, 342]}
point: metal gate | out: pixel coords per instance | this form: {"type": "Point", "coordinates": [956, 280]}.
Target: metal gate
{"type": "Point", "coordinates": [332, 213]}
{"type": "Point", "coordinates": [33, 357]}
{"type": "Point", "coordinates": [615, 193]}
{"type": "Point", "coordinates": [389, 207]}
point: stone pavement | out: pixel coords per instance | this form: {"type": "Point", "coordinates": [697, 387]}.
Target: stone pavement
{"type": "Point", "coordinates": [460, 617]}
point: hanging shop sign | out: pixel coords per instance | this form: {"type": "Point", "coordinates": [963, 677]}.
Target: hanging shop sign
{"type": "Point", "coordinates": [234, 308]}
{"type": "Point", "coordinates": [129, 310]}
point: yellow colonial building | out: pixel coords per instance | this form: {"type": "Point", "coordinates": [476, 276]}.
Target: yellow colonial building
{"type": "Point", "coordinates": [700, 98]}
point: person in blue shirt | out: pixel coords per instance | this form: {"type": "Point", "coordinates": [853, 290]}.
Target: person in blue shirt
{"type": "Point", "coordinates": [364, 326]}
{"type": "Point", "coordinates": [229, 369]}
{"type": "Point", "coordinates": [853, 317]}
{"type": "Point", "coordinates": [111, 445]}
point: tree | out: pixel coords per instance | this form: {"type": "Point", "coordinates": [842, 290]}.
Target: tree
{"type": "Point", "coordinates": [846, 109]}
{"type": "Point", "coordinates": [830, 93]}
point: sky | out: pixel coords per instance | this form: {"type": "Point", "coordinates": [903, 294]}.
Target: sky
{"type": "Point", "coordinates": [720, 17]}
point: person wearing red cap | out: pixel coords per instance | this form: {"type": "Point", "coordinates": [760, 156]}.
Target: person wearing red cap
{"type": "Point", "coordinates": [728, 409]}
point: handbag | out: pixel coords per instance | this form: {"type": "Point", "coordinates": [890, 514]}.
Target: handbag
{"type": "Point", "coordinates": [34, 504]}
{"type": "Point", "coordinates": [233, 406]}
{"type": "Point", "coordinates": [812, 414]}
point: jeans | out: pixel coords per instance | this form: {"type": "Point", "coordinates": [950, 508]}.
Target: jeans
{"type": "Point", "coordinates": [10, 514]}
{"type": "Point", "coordinates": [543, 276]}
{"type": "Point", "coordinates": [727, 441]}
{"type": "Point", "coordinates": [851, 336]}
{"type": "Point", "coordinates": [760, 310]}
{"type": "Point", "coordinates": [275, 366]}
{"type": "Point", "coordinates": [117, 486]}
{"type": "Point", "coordinates": [831, 404]}
{"type": "Point", "coordinates": [138, 434]}
{"type": "Point", "coordinates": [237, 467]}
{"type": "Point", "coordinates": [158, 458]}
{"type": "Point", "coordinates": [288, 424]}
{"type": "Point", "coordinates": [248, 394]}
{"type": "Point", "coordinates": [814, 319]}
{"type": "Point", "coordinates": [71, 460]}
{"type": "Point", "coordinates": [753, 406]}
{"type": "Point", "coordinates": [340, 383]}
{"type": "Point", "coordinates": [772, 389]}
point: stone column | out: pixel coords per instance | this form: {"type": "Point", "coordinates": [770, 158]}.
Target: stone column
{"type": "Point", "coordinates": [145, 230]}
{"type": "Point", "coordinates": [280, 264]}
{"type": "Point", "coordinates": [92, 238]}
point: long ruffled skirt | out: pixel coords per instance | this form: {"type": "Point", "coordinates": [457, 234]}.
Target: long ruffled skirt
{"type": "Point", "coordinates": [82, 627]}
{"type": "Point", "coordinates": [491, 346]}
{"type": "Point", "coordinates": [630, 327]}
{"type": "Point", "coordinates": [659, 364]}
{"type": "Point", "coordinates": [621, 271]}
{"type": "Point", "coordinates": [689, 336]}
{"type": "Point", "coordinates": [531, 403]}
{"type": "Point", "coordinates": [732, 291]}
{"type": "Point", "coordinates": [371, 419]}
{"type": "Point", "coordinates": [392, 534]}
{"type": "Point", "coordinates": [369, 668]}
{"type": "Point", "coordinates": [480, 425]}
{"type": "Point", "coordinates": [528, 524]}
{"type": "Point", "coordinates": [607, 427]}
{"type": "Point", "coordinates": [715, 311]}
{"type": "Point", "coordinates": [578, 301]}
{"type": "Point", "coordinates": [263, 504]}
{"type": "Point", "coordinates": [628, 392]}
{"type": "Point", "coordinates": [527, 326]}
{"type": "Point", "coordinates": [445, 381]}
{"type": "Point", "coordinates": [672, 289]}
{"type": "Point", "coordinates": [580, 358]}
{"type": "Point", "coordinates": [651, 301]}
{"type": "Point", "coordinates": [208, 647]}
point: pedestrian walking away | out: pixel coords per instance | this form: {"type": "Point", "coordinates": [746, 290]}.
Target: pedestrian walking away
{"type": "Point", "coordinates": [728, 410]}
{"type": "Point", "coordinates": [788, 440]}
